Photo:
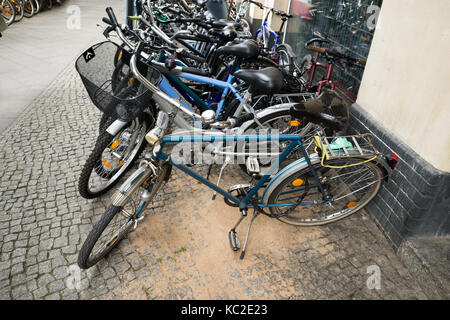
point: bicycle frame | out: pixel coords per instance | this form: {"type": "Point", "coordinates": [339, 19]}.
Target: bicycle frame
{"type": "Point", "coordinates": [193, 98]}
{"type": "Point", "coordinates": [266, 27]}
{"type": "Point", "coordinates": [251, 198]}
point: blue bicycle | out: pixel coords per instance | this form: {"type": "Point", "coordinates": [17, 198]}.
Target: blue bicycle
{"type": "Point", "coordinates": [339, 179]}
{"type": "Point", "coordinates": [263, 34]}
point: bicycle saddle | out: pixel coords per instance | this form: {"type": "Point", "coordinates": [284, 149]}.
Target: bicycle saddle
{"type": "Point", "coordinates": [226, 34]}
{"type": "Point", "coordinates": [246, 49]}
{"type": "Point", "coordinates": [265, 81]}
{"type": "Point", "coordinates": [222, 23]}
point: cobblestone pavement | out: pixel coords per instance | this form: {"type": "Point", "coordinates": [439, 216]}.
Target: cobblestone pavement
{"type": "Point", "coordinates": [181, 250]}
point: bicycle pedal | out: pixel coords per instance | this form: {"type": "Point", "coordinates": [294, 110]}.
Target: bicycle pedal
{"type": "Point", "coordinates": [252, 164]}
{"type": "Point", "coordinates": [235, 243]}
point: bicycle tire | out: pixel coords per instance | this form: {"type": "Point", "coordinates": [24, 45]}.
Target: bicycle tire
{"type": "Point", "coordinates": [85, 260]}
{"type": "Point", "coordinates": [285, 61]}
{"type": "Point", "coordinates": [9, 14]}
{"type": "Point", "coordinates": [37, 6]}
{"type": "Point", "coordinates": [94, 162]}
{"type": "Point", "coordinates": [305, 175]}
{"type": "Point", "coordinates": [18, 8]}
{"type": "Point", "coordinates": [28, 8]}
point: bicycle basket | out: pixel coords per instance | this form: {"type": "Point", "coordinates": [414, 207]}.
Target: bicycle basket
{"type": "Point", "coordinates": [112, 87]}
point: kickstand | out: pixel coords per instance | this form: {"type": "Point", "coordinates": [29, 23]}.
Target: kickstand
{"type": "Point", "coordinates": [209, 171]}
{"type": "Point", "coordinates": [255, 214]}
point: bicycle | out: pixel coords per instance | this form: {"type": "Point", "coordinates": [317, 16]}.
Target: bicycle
{"type": "Point", "coordinates": [341, 178]}
{"type": "Point", "coordinates": [262, 35]}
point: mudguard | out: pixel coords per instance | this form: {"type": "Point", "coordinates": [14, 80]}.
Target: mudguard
{"type": "Point", "coordinates": [288, 48]}
{"type": "Point", "coordinates": [296, 166]}
{"type": "Point", "coordinates": [263, 113]}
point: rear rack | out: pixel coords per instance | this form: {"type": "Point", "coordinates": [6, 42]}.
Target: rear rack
{"type": "Point", "coordinates": [346, 146]}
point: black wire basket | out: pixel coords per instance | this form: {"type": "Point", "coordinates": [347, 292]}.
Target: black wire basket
{"type": "Point", "coordinates": [106, 75]}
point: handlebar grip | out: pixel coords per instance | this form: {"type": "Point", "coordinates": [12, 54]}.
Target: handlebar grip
{"type": "Point", "coordinates": [194, 71]}
{"type": "Point", "coordinates": [107, 21]}
{"type": "Point", "coordinates": [112, 17]}
{"type": "Point", "coordinates": [316, 49]}
{"type": "Point", "coordinates": [244, 118]}
{"type": "Point", "coordinates": [192, 56]}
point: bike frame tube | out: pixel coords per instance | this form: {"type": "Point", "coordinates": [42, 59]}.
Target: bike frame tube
{"type": "Point", "coordinates": [191, 48]}
{"type": "Point", "coordinates": [226, 85]}
{"type": "Point", "coordinates": [243, 204]}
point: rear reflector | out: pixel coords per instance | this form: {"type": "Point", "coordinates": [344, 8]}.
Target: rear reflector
{"type": "Point", "coordinates": [392, 160]}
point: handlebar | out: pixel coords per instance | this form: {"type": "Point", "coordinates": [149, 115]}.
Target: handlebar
{"type": "Point", "coordinates": [112, 17]}
{"type": "Point", "coordinates": [260, 5]}
{"type": "Point", "coordinates": [316, 49]}
{"type": "Point", "coordinates": [162, 98]}
{"type": "Point", "coordinates": [335, 54]}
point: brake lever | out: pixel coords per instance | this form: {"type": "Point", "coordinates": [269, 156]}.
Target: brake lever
{"type": "Point", "coordinates": [106, 31]}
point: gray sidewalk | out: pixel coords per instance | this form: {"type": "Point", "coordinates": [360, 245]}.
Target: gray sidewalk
{"type": "Point", "coordinates": [34, 51]}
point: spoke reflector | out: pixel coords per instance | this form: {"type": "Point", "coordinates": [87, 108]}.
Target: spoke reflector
{"type": "Point", "coordinates": [351, 204]}
{"type": "Point", "coordinates": [107, 164]}
{"type": "Point", "coordinates": [114, 144]}
{"type": "Point", "coordinates": [294, 123]}
{"type": "Point", "coordinates": [298, 182]}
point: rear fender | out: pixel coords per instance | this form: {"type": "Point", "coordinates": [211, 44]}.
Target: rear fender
{"type": "Point", "coordinates": [294, 167]}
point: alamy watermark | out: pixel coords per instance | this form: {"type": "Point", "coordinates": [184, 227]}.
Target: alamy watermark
{"type": "Point", "coordinates": [201, 148]}
{"type": "Point", "coordinates": [372, 21]}
{"type": "Point", "coordinates": [74, 20]}
{"type": "Point", "coordinates": [374, 280]}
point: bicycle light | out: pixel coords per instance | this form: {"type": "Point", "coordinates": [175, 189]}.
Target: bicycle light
{"type": "Point", "coordinates": [156, 134]}
{"type": "Point", "coordinates": [392, 160]}
{"type": "Point", "coordinates": [208, 116]}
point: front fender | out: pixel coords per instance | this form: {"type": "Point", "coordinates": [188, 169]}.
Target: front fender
{"type": "Point", "coordinates": [296, 166]}
{"type": "Point", "coordinates": [288, 49]}
{"type": "Point", "coordinates": [263, 113]}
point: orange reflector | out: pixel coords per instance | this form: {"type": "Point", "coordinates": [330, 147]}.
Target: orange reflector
{"type": "Point", "coordinates": [298, 182]}
{"type": "Point", "coordinates": [114, 144]}
{"type": "Point", "coordinates": [120, 54]}
{"type": "Point", "coordinates": [294, 123]}
{"type": "Point", "coordinates": [121, 163]}
{"type": "Point", "coordinates": [351, 204]}
{"type": "Point", "coordinates": [107, 164]}
{"type": "Point", "coordinates": [130, 81]}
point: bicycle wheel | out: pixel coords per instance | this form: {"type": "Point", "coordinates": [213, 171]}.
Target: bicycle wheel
{"type": "Point", "coordinates": [350, 187]}
{"type": "Point", "coordinates": [280, 120]}
{"type": "Point", "coordinates": [28, 8]}
{"type": "Point", "coordinates": [8, 11]}
{"type": "Point", "coordinates": [285, 61]}
{"type": "Point", "coordinates": [118, 221]}
{"type": "Point", "coordinates": [37, 6]}
{"type": "Point", "coordinates": [18, 9]}
{"type": "Point", "coordinates": [111, 157]}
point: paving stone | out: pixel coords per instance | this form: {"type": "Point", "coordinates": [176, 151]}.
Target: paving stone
{"type": "Point", "coordinates": [180, 250]}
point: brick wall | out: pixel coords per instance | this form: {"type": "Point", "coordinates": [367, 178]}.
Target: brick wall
{"type": "Point", "coordinates": [416, 201]}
